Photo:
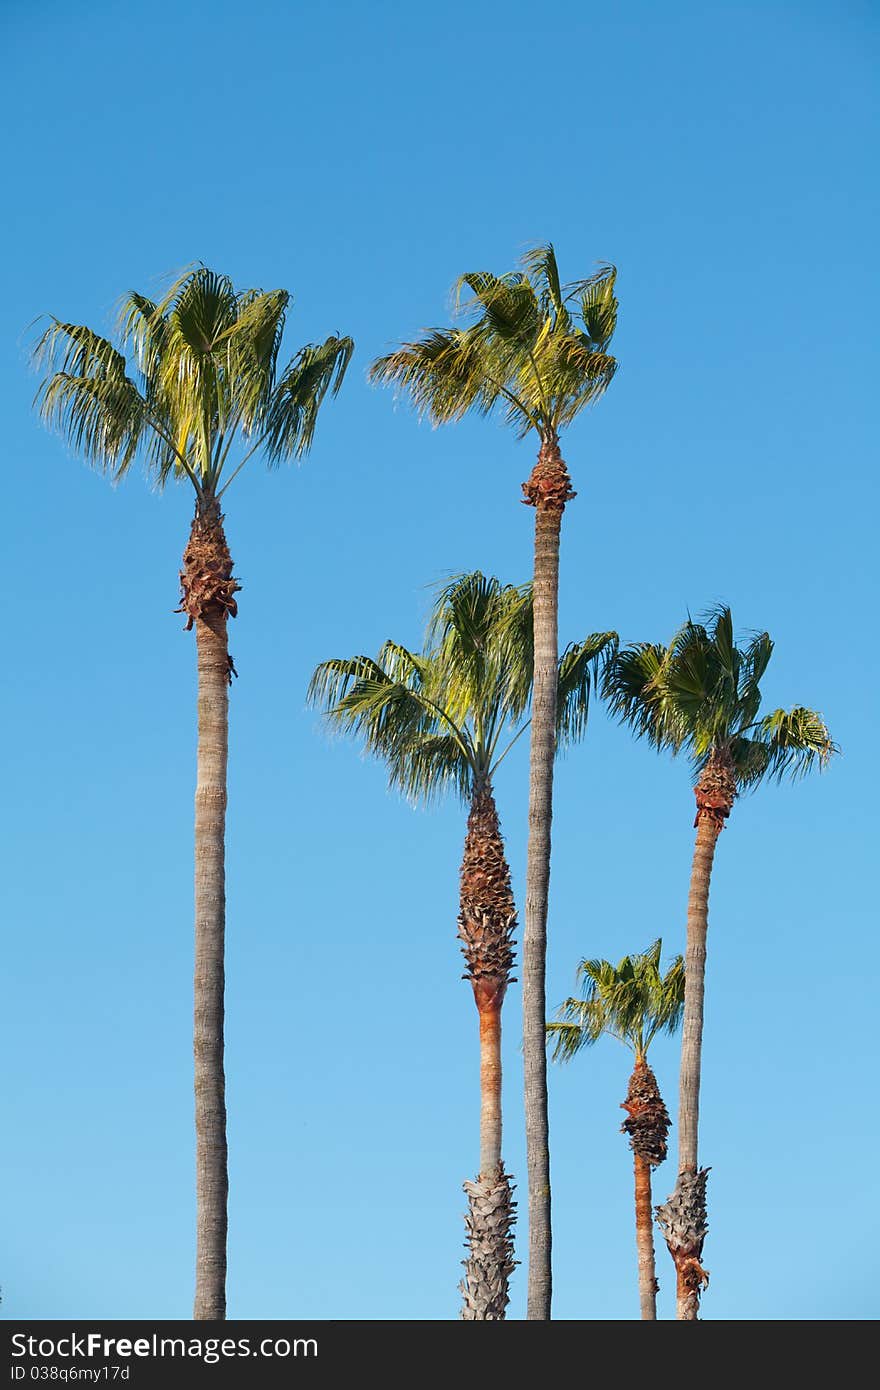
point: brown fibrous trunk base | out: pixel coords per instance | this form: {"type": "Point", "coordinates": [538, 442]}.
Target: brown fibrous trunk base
{"type": "Point", "coordinates": [549, 484]}
{"type": "Point", "coordinates": [490, 1263]}
{"type": "Point", "coordinates": [207, 584]}
{"type": "Point", "coordinates": [684, 1223]}
{"type": "Point", "coordinates": [715, 791]}
{"type": "Point", "coordinates": [647, 1122]}
{"type": "Point", "coordinates": [487, 919]}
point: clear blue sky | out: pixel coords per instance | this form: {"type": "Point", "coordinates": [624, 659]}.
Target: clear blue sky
{"type": "Point", "coordinates": [724, 156]}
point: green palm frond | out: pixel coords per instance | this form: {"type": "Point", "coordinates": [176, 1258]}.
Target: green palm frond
{"type": "Point", "coordinates": [751, 761]}
{"type": "Point", "coordinates": [447, 716]}
{"type": "Point", "coordinates": [522, 351]}
{"type": "Point", "coordinates": [598, 305]}
{"type": "Point", "coordinates": [142, 326]}
{"type": "Point", "coordinates": [292, 413]}
{"type": "Point", "coordinates": [755, 660]}
{"type": "Point", "coordinates": [583, 1025]}
{"type": "Point", "coordinates": [631, 689]}
{"type": "Point", "coordinates": [89, 398]}
{"type": "Point", "coordinates": [542, 269]}
{"type": "Point", "coordinates": [360, 696]}
{"type": "Point", "coordinates": [507, 306]}
{"type": "Point", "coordinates": [448, 372]}
{"type": "Point", "coordinates": [702, 694]}
{"type": "Point", "coordinates": [481, 633]}
{"type": "Point", "coordinates": [632, 1001]}
{"type": "Point", "coordinates": [426, 765]}
{"type": "Point", "coordinates": [796, 740]}
{"type": "Point", "coordinates": [203, 378]}
{"type": "Point", "coordinates": [253, 342]}
{"type": "Point", "coordinates": [581, 669]}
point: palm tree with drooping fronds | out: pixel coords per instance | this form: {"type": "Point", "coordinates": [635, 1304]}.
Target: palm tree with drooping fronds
{"type": "Point", "coordinates": [701, 694]}
{"type": "Point", "coordinates": [201, 391]}
{"type": "Point", "coordinates": [633, 1002]}
{"type": "Point", "coordinates": [445, 719]}
{"type": "Point", "coordinates": [537, 351]}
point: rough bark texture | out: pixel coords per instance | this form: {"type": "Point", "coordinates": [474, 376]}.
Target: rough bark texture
{"type": "Point", "coordinates": [647, 1125]}
{"type": "Point", "coordinates": [684, 1224]}
{"type": "Point", "coordinates": [490, 1261]}
{"type": "Point", "coordinates": [487, 917]}
{"type": "Point", "coordinates": [648, 1285]}
{"type": "Point", "coordinates": [647, 1122]}
{"type": "Point", "coordinates": [547, 490]}
{"type": "Point", "coordinates": [208, 591]}
{"type": "Point", "coordinates": [715, 793]}
{"type": "Point", "coordinates": [486, 923]}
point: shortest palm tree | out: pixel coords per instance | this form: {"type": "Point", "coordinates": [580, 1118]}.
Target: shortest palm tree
{"type": "Point", "coordinates": [632, 1002]}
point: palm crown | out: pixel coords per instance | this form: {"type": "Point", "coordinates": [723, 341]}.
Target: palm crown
{"type": "Point", "coordinates": [203, 372]}
{"type": "Point", "coordinates": [534, 347]}
{"type": "Point", "coordinates": [702, 693]}
{"type": "Point", "coordinates": [447, 717]}
{"type": "Point", "coordinates": [631, 1001]}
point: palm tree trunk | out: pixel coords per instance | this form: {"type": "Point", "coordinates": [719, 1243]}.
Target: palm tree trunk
{"type": "Point", "coordinates": [695, 983]}
{"type": "Point", "coordinates": [490, 1087]}
{"type": "Point", "coordinates": [683, 1218]}
{"type": "Point", "coordinates": [645, 1239]}
{"type": "Point", "coordinates": [208, 600]}
{"type": "Point", "coordinates": [486, 924]}
{"type": "Point", "coordinates": [547, 490]}
{"type": "Point", "coordinates": [647, 1125]}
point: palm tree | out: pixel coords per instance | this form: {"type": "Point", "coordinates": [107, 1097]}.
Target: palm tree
{"type": "Point", "coordinates": [702, 694]}
{"type": "Point", "coordinates": [201, 393]}
{"type": "Point", "coordinates": [538, 351]}
{"type": "Point", "coordinates": [632, 1002]}
{"type": "Point", "coordinates": [445, 719]}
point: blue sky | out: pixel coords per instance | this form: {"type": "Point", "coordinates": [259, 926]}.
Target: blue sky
{"type": "Point", "coordinates": [363, 156]}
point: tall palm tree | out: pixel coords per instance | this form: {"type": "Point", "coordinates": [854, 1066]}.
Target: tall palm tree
{"type": "Point", "coordinates": [200, 393]}
{"type": "Point", "coordinates": [632, 1002]}
{"type": "Point", "coordinates": [536, 350]}
{"type": "Point", "coordinates": [702, 694]}
{"type": "Point", "coordinates": [443, 719]}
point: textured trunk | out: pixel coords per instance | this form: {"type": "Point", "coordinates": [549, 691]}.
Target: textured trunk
{"type": "Point", "coordinates": [485, 926]}
{"type": "Point", "coordinates": [683, 1217]}
{"type": "Point", "coordinates": [683, 1221]}
{"type": "Point", "coordinates": [547, 490]}
{"type": "Point", "coordinates": [645, 1240]}
{"type": "Point", "coordinates": [695, 982]}
{"type": "Point", "coordinates": [208, 599]}
{"type": "Point", "coordinates": [490, 1090]}
{"type": "Point", "coordinates": [647, 1125]}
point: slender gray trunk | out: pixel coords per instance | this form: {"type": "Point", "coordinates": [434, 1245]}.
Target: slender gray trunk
{"type": "Point", "coordinates": [547, 490]}
{"type": "Point", "coordinates": [683, 1216]}
{"type": "Point", "coordinates": [210, 893]}
{"type": "Point", "coordinates": [208, 599]}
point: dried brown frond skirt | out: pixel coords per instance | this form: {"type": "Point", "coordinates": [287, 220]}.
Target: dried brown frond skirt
{"type": "Point", "coordinates": [487, 919]}
{"type": "Point", "coordinates": [647, 1122]}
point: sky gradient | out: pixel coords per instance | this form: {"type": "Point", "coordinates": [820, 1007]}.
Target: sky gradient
{"type": "Point", "coordinates": [724, 157]}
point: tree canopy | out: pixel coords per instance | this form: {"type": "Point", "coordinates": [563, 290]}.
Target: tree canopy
{"type": "Point", "coordinates": [202, 375]}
